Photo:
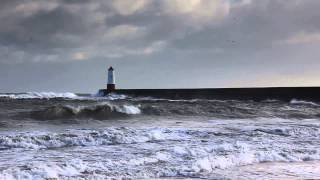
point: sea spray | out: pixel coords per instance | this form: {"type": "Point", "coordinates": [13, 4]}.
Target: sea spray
{"type": "Point", "coordinates": [39, 95]}
{"type": "Point", "coordinates": [141, 138]}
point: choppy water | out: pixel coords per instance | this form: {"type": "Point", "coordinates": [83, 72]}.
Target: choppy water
{"type": "Point", "coordinates": [68, 136]}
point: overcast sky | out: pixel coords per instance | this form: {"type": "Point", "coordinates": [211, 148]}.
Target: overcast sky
{"type": "Point", "coordinates": [67, 45]}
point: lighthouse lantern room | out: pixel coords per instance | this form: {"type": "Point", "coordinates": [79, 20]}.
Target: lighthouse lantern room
{"type": "Point", "coordinates": [111, 86]}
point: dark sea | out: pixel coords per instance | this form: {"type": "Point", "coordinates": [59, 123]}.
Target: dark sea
{"type": "Point", "coordinates": [70, 136]}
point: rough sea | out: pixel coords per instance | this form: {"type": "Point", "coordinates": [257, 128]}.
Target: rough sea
{"type": "Point", "coordinates": [70, 136]}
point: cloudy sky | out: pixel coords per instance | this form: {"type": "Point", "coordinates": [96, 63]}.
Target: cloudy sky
{"type": "Point", "coordinates": [67, 45]}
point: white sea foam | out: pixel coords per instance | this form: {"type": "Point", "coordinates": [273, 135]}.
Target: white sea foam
{"type": "Point", "coordinates": [46, 170]}
{"type": "Point", "coordinates": [82, 170]}
{"type": "Point", "coordinates": [111, 96]}
{"type": "Point", "coordinates": [128, 109]}
{"type": "Point", "coordinates": [270, 100]}
{"type": "Point", "coordinates": [295, 101]}
{"type": "Point", "coordinates": [66, 95]}
{"type": "Point", "coordinates": [40, 95]}
{"type": "Point", "coordinates": [181, 164]}
{"type": "Point", "coordinates": [156, 152]}
{"type": "Point", "coordinates": [83, 138]}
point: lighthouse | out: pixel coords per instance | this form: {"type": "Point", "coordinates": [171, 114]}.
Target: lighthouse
{"type": "Point", "coordinates": [111, 86]}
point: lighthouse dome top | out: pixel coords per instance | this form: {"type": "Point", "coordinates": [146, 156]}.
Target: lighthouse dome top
{"type": "Point", "coordinates": [110, 68]}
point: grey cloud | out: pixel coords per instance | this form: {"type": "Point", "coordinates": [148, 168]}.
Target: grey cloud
{"type": "Point", "coordinates": [151, 33]}
{"type": "Point", "coordinates": [74, 24]}
{"type": "Point", "coordinates": [256, 26]}
{"type": "Point", "coordinates": [253, 25]}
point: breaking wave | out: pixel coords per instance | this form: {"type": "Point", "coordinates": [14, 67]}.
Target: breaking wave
{"type": "Point", "coordinates": [295, 101]}
{"type": "Point", "coordinates": [161, 138]}
{"type": "Point", "coordinates": [110, 96]}
{"type": "Point", "coordinates": [98, 111]}
{"type": "Point", "coordinates": [117, 106]}
{"type": "Point", "coordinates": [66, 95]}
{"type": "Point", "coordinates": [40, 95]}
{"type": "Point", "coordinates": [176, 152]}
{"type": "Point", "coordinates": [76, 138]}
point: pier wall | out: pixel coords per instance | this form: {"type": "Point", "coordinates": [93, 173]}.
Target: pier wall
{"type": "Point", "coordinates": [280, 93]}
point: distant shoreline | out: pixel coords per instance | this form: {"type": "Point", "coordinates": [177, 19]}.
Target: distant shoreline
{"type": "Point", "coordinates": [257, 93]}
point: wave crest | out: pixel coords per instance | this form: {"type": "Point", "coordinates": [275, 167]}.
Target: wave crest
{"type": "Point", "coordinates": [109, 136]}
{"type": "Point", "coordinates": [100, 111]}
{"type": "Point", "coordinates": [295, 101]}
{"type": "Point", "coordinates": [40, 95]}
{"type": "Point", "coordinates": [175, 151]}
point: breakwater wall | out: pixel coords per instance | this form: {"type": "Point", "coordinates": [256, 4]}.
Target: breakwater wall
{"type": "Point", "coordinates": [280, 93]}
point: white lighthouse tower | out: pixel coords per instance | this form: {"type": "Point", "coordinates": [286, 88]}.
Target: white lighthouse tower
{"type": "Point", "coordinates": [111, 86]}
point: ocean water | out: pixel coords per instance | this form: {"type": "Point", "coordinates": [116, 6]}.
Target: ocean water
{"type": "Point", "coordinates": [70, 136]}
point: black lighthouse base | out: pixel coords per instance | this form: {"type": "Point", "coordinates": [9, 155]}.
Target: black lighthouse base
{"type": "Point", "coordinates": [111, 88]}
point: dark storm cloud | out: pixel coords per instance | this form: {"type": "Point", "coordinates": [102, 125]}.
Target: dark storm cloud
{"type": "Point", "coordinates": [40, 29]}
{"type": "Point", "coordinates": [64, 27]}
{"type": "Point", "coordinates": [196, 33]}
